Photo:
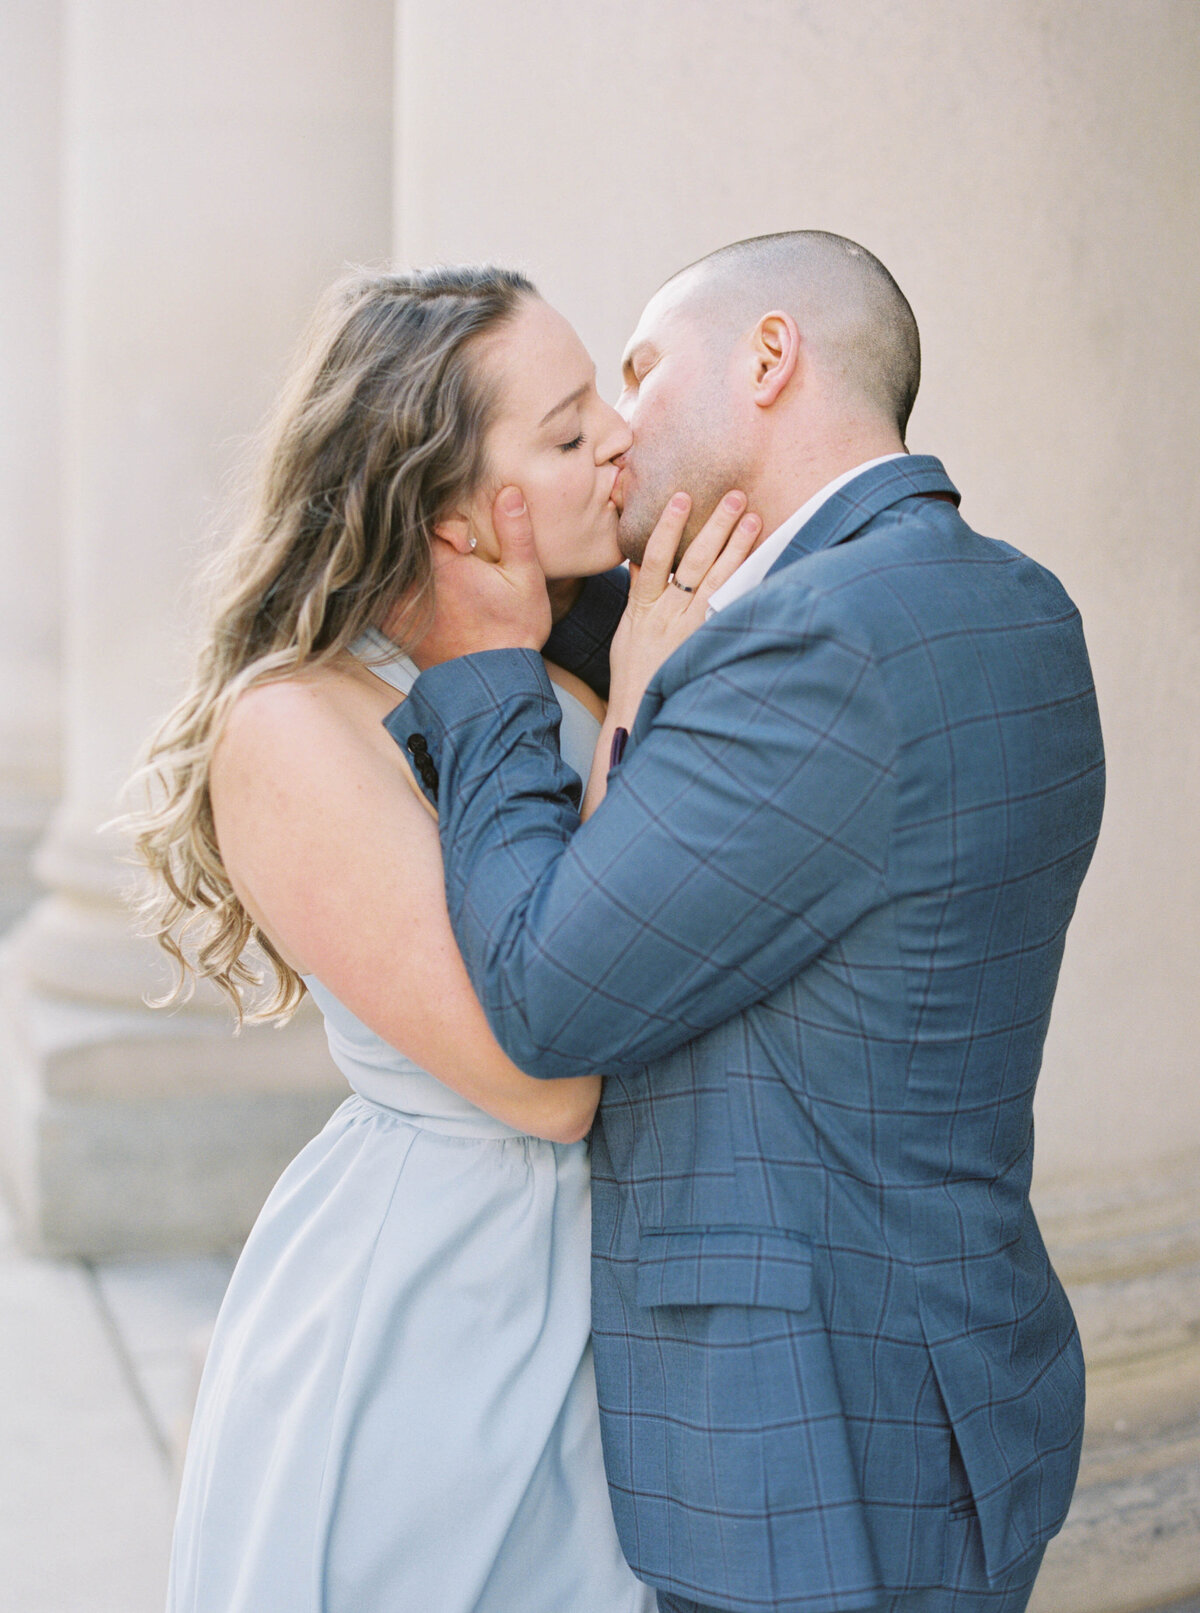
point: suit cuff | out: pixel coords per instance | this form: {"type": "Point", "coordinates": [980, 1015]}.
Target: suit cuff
{"type": "Point", "coordinates": [439, 723]}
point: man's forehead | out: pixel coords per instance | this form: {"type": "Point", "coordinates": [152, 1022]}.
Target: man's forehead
{"type": "Point", "coordinates": [664, 319]}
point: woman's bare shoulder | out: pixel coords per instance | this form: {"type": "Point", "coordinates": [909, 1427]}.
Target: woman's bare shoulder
{"type": "Point", "coordinates": [303, 731]}
{"type": "Point", "coordinates": [301, 696]}
{"type": "Point", "coordinates": [310, 699]}
{"type": "Point", "coordinates": [306, 787]}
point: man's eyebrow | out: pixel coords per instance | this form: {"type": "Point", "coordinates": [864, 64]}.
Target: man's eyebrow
{"type": "Point", "coordinates": [629, 362]}
{"type": "Point", "coordinates": [566, 403]}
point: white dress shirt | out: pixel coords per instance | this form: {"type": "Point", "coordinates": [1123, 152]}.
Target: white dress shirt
{"type": "Point", "coordinates": [755, 567]}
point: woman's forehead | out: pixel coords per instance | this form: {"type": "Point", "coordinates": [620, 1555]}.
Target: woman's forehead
{"type": "Point", "coordinates": [539, 361]}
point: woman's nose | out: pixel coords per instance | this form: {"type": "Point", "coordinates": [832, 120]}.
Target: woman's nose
{"type": "Point", "coordinates": [617, 440]}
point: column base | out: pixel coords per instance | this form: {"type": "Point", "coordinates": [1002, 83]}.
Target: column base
{"type": "Point", "coordinates": [125, 1130]}
{"type": "Point", "coordinates": [1128, 1253]}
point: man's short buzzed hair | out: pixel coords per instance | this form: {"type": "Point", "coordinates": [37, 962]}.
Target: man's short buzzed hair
{"type": "Point", "coordinates": [842, 297]}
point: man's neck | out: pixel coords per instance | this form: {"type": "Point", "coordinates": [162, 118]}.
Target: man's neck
{"type": "Point", "coordinates": [791, 476]}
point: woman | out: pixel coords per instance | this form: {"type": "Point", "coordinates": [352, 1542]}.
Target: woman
{"type": "Point", "coordinates": [398, 1409]}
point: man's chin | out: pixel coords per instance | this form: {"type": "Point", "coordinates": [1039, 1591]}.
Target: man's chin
{"type": "Point", "coordinates": [632, 540]}
{"type": "Point", "coordinates": [636, 527]}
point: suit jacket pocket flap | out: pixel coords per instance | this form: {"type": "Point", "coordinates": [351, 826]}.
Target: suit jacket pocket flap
{"type": "Point", "coordinates": [725, 1266]}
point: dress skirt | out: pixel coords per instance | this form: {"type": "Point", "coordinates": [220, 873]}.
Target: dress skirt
{"type": "Point", "coordinates": [398, 1412]}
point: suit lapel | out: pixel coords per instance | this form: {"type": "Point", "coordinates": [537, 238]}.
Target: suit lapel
{"type": "Point", "coordinates": [861, 500]}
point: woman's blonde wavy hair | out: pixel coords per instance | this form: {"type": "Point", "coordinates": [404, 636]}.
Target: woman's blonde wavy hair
{"type": "Point", "coordinates": [379, 431]}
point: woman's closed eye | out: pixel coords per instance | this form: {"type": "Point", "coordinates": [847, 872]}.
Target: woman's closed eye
{"type": "Point", "coordinates": [569, 447]}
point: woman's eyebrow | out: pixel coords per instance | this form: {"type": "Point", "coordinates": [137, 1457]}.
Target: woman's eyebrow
{"type": "Point", "coordinates": [572, 397]}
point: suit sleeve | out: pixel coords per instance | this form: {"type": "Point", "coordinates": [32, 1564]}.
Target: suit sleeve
{"type": "Point", "coordinates": [579, 643]}
{"type": "Point", "coordinates": [745, 831]}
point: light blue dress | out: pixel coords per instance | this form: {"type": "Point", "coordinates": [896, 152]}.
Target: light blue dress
{"type": "Point", "coordinates": [398, 1411]}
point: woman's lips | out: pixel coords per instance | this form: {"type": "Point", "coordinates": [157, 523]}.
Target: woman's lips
{"type": "Point", "coordinates": [616, 494]}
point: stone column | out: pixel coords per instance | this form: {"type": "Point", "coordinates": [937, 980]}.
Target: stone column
{"type": "Point", "coordinates": [30, 583]}
{"type": "Point", "coordinates": [223, 162]}
{"type": "Point", "coordinates": [1031, 174]}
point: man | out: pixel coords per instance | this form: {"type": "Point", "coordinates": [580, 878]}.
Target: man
{"type": "Point", "coordinates": [812, 936]}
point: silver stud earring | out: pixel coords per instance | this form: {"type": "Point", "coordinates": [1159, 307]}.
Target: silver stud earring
{"type": "Point", "coordinates": [471, 542]}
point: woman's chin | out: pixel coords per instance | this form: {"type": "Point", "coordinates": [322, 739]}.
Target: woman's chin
{"type": "Point", "coordinates": [590, 561]}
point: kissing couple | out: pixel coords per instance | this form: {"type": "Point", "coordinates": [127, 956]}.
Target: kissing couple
{"type": "Point", "coordinates": [753, 862]}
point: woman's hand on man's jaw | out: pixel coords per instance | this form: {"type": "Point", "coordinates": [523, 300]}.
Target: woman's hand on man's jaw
{"type": "Point", "coordinates": [480, 604]}
{"type": "Point", "coordinates": [669, 595]}
{"type": "Point", "coordinates": [670, 591]}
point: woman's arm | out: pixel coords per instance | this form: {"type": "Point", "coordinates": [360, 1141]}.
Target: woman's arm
{"type": "Point", "coordinates": [337, 859]}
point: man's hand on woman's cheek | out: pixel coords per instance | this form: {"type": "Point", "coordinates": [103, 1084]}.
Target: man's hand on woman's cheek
{"type": "Point", "coordinates": [482, 604]}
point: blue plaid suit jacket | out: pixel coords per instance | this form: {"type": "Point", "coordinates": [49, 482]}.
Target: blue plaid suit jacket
{"type": "Point", "coordinates": [812, 937]}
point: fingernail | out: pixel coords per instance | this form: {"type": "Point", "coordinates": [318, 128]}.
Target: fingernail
{"type": "Point", "coordinates": [734, 501]}
{"type": "Point", "coordinates": [512, 501]}
{"type": "Point", "coordinates": [680, 501]}
{"type": "Point", "coordinates": [750, 523]}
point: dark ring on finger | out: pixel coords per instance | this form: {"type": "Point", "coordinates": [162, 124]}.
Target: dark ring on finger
{"type": "Point", "coordinates": [682, 586]}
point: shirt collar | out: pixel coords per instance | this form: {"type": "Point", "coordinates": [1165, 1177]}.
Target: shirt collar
{"type": "Point", "coordinates": [755, 567]}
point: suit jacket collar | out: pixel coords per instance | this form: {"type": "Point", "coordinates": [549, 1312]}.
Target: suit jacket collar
{"type": "Point", "coordinates": [850, 509]}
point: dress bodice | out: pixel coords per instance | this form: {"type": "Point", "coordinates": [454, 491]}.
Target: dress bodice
{"type": "Point", "coordinates": [375, 1069]}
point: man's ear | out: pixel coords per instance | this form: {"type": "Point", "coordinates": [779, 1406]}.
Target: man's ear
{"type": "Point", "coordinates": [775, 345]}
